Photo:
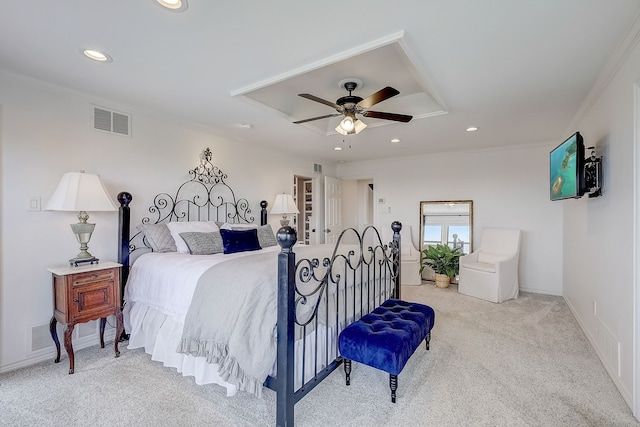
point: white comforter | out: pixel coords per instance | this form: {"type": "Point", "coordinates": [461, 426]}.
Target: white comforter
{"type": "Point", "coordinates": [167, 281]}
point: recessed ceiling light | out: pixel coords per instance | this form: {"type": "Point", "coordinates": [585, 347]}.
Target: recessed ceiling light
{"type": "Point", "coordinates": [174, 5]}
{"type": "Point", "coordinates": [246, 125]}
{"type": "Point", "coordinates": [395, 140]}
{"type": "Point", "coordinates": [472, 129]}
{"type": "Point", "coordinates": [96, 55]}
{"type": "Point", "coordinates": [338, 148]}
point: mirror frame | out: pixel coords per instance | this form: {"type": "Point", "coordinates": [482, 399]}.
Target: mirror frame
{"type": "Point", "coordinates": [440, 202]}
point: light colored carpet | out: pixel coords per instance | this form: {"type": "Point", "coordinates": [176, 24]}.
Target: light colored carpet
{"type": "Point", "coordinates": [521, 363]}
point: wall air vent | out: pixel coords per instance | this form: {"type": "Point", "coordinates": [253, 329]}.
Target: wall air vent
{"type": "Point", "coordinates": [40, 337]}
{"type": "Point", "coordinates": [111, 121]}
{"type": "Point", "coordinates": [317, 168]}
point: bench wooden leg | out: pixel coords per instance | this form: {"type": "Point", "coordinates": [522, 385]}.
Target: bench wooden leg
{"type": "Point", "coordinates": [347, 370]}
{"type": "Point", "coordinates": [428, 338]}
{"type": "Point", "coordinates": [393, 383]}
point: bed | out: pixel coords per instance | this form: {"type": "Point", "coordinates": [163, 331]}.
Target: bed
{"type": "Point", "coordinates": [230, 302]}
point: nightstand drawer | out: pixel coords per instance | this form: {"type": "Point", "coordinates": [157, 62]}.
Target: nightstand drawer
{"type": "Point", "coordinates": [92, 300]}
{"type": "Point", "coordinates": [93, 276]}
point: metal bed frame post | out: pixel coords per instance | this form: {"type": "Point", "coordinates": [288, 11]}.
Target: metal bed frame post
{"type": "Point", "coordinates": [124, 224]}
{"type": "Point", "coordinates": [285, 398]}
{"type": "Point", "coordinates": [396, 226]}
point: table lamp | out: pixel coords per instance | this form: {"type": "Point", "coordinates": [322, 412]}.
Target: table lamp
{"type": "Point", "coordinates": [79, 191]}
{"type": "Point", "coordinates": [284, 205]}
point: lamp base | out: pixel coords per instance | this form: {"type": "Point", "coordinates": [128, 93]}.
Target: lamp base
{"type": "Point", "coordinates": [74, 262]}
{"type": "Point", "coordinates": [284, 222]}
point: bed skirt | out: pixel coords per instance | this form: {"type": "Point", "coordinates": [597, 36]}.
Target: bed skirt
{"type": "Point", "coordinates": [160, 335]}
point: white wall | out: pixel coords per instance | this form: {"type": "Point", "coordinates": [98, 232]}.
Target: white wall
{"type": "Point", "coordinates": [44, 132]}
{"type": "Point", "coordinates": [509, 188]}
{"type": "Point", "coordinates": [599, 232]}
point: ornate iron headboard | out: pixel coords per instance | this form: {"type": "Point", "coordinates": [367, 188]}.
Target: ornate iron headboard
{"type": "Point", "coordinates": [204, 197]}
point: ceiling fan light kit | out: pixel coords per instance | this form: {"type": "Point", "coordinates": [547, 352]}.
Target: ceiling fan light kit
{"type": "Point", "coordinates": [350, 105]}
{"type": "Point", "coordinates": [356, 126]}
{"type": "Point", "coordinates": [347, 123]}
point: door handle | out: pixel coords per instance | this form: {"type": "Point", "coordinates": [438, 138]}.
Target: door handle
{"type": "Point", "coordinates": [327, 231]}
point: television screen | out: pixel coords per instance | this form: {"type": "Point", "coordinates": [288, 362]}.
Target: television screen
{"type": "Point", "coordinates": [566, 165]}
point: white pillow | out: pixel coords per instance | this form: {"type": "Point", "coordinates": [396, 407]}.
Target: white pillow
{"type": "Point", "coordinates": [189, 226]}
{"type": "Point", "coordinates": [233, 226]}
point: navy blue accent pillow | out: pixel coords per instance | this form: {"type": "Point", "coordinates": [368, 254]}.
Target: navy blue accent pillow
{"type": "Point", "coordinates": [239, 240]}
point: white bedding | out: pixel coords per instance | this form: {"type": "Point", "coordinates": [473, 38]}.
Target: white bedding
{"type": "Point", "coordinates": [167, 281]}
{"type": "Point", "coordinates": [158, 295]}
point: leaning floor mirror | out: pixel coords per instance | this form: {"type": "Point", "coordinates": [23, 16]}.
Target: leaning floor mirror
{"type": "Point", "coordinates": [446, 222]}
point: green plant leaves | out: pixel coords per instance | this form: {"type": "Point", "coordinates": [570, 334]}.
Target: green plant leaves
{"type": "Point", "coordinates": [442, 259]}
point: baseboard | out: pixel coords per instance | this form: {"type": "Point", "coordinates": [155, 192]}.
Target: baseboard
{"type": "Point", "coordinates": [49, 353]}
{"type": "Point", "coordinates": [613, 375]}
{"type": "Point", "coordinates": [540, 291]}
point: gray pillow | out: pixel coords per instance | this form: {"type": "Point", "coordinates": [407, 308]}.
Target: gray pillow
{"type": "Point", "coordinates": [159, 237]}
{"type": "Point", "coordinates": [266, 236]}
{"type": "Point", "coordinates": [200, 243]}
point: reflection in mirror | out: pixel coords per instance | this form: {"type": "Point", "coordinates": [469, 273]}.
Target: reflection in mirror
{"type": "Point", "coordinates": [446, 222]}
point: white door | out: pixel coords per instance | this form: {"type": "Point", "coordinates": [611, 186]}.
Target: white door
{"type": "Point", "coordinates": [332, 209]}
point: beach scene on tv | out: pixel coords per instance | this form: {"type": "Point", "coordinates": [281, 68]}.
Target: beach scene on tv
{"type": "Point", "coordinates": [563, 162]}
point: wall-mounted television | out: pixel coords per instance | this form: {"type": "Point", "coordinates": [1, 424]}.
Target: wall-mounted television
{"type": "Point", "coordinates": [566, 163]}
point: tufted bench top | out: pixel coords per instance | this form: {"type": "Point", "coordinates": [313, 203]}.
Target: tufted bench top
{"type": "Point", "coordinates": [387, 337]}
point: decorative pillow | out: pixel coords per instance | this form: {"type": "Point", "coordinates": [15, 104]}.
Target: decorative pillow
{"type": "Point", "coordinates": [203, 243]}
{"type": "Point", "coordinates": [182, 227]}
{"type": "Point", "coordinates": [266, 237]}
{"type": "Point", "coordinates": [240, 240]}
{"type": "Point", "coordinates": [239, 226]}
{"type": "Point", "coordinates": [159, 237]}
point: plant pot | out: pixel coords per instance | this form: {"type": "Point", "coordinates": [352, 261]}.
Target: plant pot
{"type": "Point", "coordinates": [442, 280]}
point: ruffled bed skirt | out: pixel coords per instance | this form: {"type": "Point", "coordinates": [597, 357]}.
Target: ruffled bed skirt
{"type": "Point", "coordinates": [160, 335]}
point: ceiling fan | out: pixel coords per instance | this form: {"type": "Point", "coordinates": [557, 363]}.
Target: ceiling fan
{"type": "Point", "coordinates": [351, 105]}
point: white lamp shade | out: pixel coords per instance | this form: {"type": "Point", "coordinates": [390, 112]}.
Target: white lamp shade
{"type": "Point", "coordinates": [79, 191]}
{"type": "Point", "coordinates": [284, 204]}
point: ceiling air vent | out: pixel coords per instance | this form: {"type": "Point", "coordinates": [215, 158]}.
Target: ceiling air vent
{"type": "Point", "coordinates": [111, 121]}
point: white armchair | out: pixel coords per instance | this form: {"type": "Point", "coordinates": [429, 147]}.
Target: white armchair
{"type": "Point", "coordinates": [491, 272]}
{"type": "Point", "coordinates": [409, 255]}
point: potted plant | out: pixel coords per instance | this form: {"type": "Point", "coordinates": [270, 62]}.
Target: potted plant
{"type": "Point", "coordinates": [444, 261]}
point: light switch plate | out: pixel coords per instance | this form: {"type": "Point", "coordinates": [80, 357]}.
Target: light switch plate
{"type": "Point", "coordinates": [34, 204]}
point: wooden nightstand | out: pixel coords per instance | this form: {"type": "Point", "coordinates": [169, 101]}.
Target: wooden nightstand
{"type": "Point", "coordinates": [81, 294]}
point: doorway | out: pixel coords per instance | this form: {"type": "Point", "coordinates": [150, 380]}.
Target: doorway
{"type": "Point", "coordinates": [303, 196]}
{"type": "Point", "coordinates": [357, 203]}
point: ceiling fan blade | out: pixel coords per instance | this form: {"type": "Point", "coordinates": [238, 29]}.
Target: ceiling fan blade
{"type": "Point", "coordinates": [320, 100]}
{"type": "Point", "coordinates": [317, 118]}
{"type": "Point", "coordinates": [379, 96]}
{"type": "Point", "coordinates": [388, 116]}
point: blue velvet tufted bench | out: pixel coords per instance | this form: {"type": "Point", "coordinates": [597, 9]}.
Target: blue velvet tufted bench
{"type": "Point", "coordinates": [386, 338]}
